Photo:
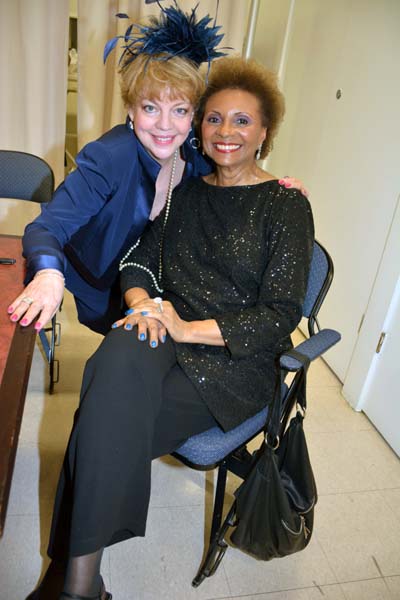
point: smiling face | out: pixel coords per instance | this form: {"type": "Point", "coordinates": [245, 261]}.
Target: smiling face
{"type": "Point", "coordinates": [162, 124]}
{"type": "Point", "coordinates": [232, 128]}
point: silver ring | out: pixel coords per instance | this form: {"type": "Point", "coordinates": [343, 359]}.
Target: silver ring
{"type": "Point", "coordinates": [28, 300]}
{"type": "Point", "coordinates": [158, 301]}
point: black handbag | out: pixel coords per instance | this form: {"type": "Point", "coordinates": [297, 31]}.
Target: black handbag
{"type": "Point", "coordinates": [275, 503]}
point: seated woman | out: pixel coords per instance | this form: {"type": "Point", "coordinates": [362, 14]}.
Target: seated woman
{"type": "Point", "coordinates": [230, 279]}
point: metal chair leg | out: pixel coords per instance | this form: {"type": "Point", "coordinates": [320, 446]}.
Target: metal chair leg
{"type": "Point", "coordinates": [216, 550]}
{"type": "Point", "coordinates": [217, 545]}
{"type": "Point", "coordinates": [49, 350]}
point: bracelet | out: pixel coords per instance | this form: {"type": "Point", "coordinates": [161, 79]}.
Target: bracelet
{"type": "Point", "coordinates": [50, 272]}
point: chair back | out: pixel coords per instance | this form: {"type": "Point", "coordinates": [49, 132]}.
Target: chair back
{"type": "Point", "coordinates": [319, 281]}
{"type": "Point", "coordinates": [25, 177]}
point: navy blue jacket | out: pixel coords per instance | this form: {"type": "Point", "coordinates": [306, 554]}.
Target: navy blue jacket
{"type": "Point", "coordinates": [95, 215]}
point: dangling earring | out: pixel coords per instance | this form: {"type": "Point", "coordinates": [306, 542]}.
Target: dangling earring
{"type": "Point", "coordinates": [130, 123]}
{"type": "Point", "coordinates": [195, 142]}
{"type": "Point", "coordinates": [258, 153]}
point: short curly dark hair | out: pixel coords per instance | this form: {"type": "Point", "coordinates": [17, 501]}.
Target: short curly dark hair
{"type": "Point", "coordinates": [235, 72]}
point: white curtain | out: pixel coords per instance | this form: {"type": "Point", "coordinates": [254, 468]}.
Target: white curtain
{"type": "Point", "coordinates": [99, 103]}
{"type": "Point", "coordinates": [33, 78]}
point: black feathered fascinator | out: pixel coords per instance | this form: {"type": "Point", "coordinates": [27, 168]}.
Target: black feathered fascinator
{"type": "Point", "coordinates": [174, 33]}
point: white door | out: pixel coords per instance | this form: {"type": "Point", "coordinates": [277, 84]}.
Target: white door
{"type": "Point", "coordinates": [381, 394]}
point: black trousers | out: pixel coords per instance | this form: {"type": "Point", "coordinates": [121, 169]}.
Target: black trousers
{"type": "Point", "coordinates": [136, 404]}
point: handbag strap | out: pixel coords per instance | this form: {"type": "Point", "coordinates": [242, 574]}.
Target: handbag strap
{"type": "Point", "coordinates": [272, 428]}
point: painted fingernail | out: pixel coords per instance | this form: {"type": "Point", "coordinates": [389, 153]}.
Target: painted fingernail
{"type": "Point", "coordinates": [142, 336]}
{"type": "Point", "coordinates": [128, 326]}
{"type": "Point", "coordinates": [288, 185]}
{"type": "Point", "coordinates": [281, 181]}
{"type": "Point", "coordinates": [25, 322]}
{"type": "Point", "coordinates": [14, 318]}
{"type": "Point", "coordinates": [114, 325]}
{"type": "Point", "coordinates": [164, 337]}
{"type": "Point", "coordinates": [129, 311]}
{"type": "Point", "coordinates": [144, 312]}
{"type": "Point", "coordinates": [153, 344]}
{"type": "Point", "coordinates": [10, 310]}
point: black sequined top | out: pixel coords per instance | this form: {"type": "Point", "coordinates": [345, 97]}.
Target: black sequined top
{"type": "Point", "coordinates": [239, 255]}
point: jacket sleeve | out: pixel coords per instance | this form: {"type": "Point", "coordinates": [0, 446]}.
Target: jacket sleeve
{"type": "Point", "coordinates": [81, 196]}
{"type": "Point", "coordinates": [140, 267]}
{"type": "Point", "coordinates": [282, 290]}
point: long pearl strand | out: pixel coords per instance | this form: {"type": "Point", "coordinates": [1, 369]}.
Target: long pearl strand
{"type": "Point", "coordinates": [123, 264]}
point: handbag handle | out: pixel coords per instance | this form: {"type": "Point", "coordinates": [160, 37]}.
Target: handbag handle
{"type": "Point", "coordinates": [272, 428]}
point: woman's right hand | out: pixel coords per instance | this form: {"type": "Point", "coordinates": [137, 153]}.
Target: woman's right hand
{"type": "Point", "coordinates": [41, 298]}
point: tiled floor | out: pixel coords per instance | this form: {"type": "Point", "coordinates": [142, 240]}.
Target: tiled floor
{"type": "Point", "coordinates": [354, 553]}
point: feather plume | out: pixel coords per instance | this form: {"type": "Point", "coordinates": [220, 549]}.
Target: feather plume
{"type": "Point", "coordinates": [174, 33]}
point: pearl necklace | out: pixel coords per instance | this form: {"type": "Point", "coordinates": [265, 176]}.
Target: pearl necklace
{"type": "Point", "coordinates": [123, 264]}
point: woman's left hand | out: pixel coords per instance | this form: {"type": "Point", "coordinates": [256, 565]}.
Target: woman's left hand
{"type": "Point", "coordinates": [169, 318]}
{"type": "Point", "coordinates": [292, 182]}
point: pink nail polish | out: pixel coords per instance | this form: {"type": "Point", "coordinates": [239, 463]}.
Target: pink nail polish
{"type": "Point", "coordinates": [288, 185]}
{"type": "Point", "coordinates": [24, 322]}
{"type": "Point", "coordinates": [14, 318]}
{"type": "Point", "coordinates": [38, 326]}
{"type": "Point", "coordinates": [281, 181]}
{"type": "Point", "coordinates": [10, 310]}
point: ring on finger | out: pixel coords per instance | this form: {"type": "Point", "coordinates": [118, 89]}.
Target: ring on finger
{"type": "Point", "coordinates": [159, 303]}
{"type": "Point", "coordinates": [28, 300]}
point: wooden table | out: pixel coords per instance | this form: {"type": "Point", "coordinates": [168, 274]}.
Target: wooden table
{"type": "Point", "coordinates": [16, 351]}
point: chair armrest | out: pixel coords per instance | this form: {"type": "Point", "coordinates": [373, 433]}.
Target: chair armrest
{"type": "Point", "coordinates": [314, 347]}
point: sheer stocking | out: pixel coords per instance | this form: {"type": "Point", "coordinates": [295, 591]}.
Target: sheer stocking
{"type": "Point", "coordinates": [83, 575]}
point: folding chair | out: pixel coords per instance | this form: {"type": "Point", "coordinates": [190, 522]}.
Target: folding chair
{"type": "Point", "coordinates": [25, 176]}
{"type": "Point", "coordinates": [227, 451]}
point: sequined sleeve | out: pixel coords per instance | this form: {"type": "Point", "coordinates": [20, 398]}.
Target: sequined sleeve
{"type": "Point", "coordinates": [282, 290]}
{"type": "Point", "coordinates": [139, 267]}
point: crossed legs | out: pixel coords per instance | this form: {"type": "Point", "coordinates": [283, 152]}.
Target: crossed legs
{"type": "Point", "coordinates": [136, 404]}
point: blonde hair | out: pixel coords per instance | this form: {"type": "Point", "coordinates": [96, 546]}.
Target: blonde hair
{"type": "Point", "coordinates": [150, 77]}
{"type": "Point", "coordinates": [235, 72]}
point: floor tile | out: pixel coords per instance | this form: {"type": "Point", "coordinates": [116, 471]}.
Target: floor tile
{"type": "Point", "coordinates": [347, 462]}
{"type": "Point", "coordinates": [163, 564]}
{"type": "Point", "coordinates": [248, 576]}
{"type": "Point", "coordinates": [20, 560]}
{"type": "Point", "coordinates": [359, 535]}
{"type": "Point", "coordinates": [372, 589]}
{"type": "Point", "coordinates": [394, 586]}
{"type": "Point", "coordinates": [324, 592]}
{"type": "Point", "coordinates": [392, 498]}
{"type": "Point", "coordinates": [47, 420]}
{"type": "Point", "coordinates": [34, 482]}
{"type": "Point", "coordinates": [328, 411]}
{"type": "Point", "coordinates": [174, 484]}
